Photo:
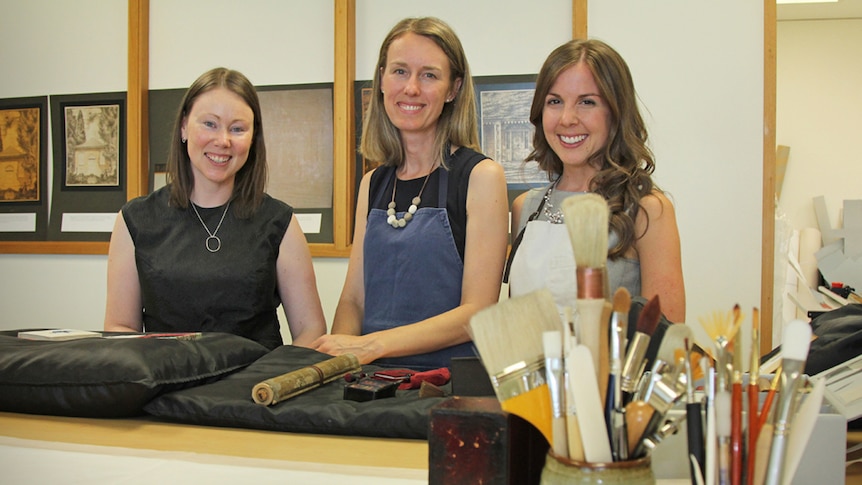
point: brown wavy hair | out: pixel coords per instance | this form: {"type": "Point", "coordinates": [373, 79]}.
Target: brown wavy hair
{"type": "Point", "coordinates": [458, 123]}
{"type": "Point", "coordinates": [626, 164]}
{"type": "Point", "coordinates": [250, 180]}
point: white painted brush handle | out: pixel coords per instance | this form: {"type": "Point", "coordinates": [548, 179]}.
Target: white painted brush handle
{"type": "Point", "coordinates": [589, 327]}
{"type": "Point", "coordinates": [594, 433]}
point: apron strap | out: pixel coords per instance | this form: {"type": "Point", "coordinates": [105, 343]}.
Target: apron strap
{"type": "Point", "coordinates": [518, 239]}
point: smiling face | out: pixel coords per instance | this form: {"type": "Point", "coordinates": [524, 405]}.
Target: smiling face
{"type": "Point", "coordinates": [416, 84]}
{"type": "Point", "coordinates": [220, 130]}
{"type": "Point", "coordinates": [575, 118]}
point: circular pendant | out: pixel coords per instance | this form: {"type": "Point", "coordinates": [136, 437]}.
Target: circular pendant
{"type": "Point", "coordinates": [215, 246]}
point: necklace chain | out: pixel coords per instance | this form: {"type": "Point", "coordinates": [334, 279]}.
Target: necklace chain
{"type": "Point", "coordinates": [212, 235]}
{"type": "Point", "coordinates": [554, 216]}
{"type": "Point", "coordinates": [392, 219]}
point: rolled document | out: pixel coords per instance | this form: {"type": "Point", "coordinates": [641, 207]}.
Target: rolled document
{"type": "Point", "coordinates": [286, 386]}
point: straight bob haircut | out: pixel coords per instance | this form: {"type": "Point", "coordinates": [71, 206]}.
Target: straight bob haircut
{"type": "Point", "coordinates": [251, 179]}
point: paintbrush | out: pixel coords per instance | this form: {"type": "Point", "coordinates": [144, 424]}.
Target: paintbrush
{"type": "Point", "coordinates": [753, 394]}
{"type": "Point", "coordinates": [553, 347]}
{"type": "Point", "coordinates": [508, 336]}
{"type": "Point", "coordinates": [710, 453]}
{"type": "Point", "coordinates": [695, 423]}
{"type": "Point", "coordinates": [632, 364]}
{"type": "Point", "coordinates": [736, 404]}
{"type": "Point", "coordinates": [760, 454]}
{"type": "Point", "coordinates": [573, 431]}
{"type": "Point", "coordinates": [586, 217]}
{"type": "Point", "coordinates": [794, 352]}
{"type": "Point", "coordinates": [614, 413]}
{"type": "Point", "coordinates": [722, 328]}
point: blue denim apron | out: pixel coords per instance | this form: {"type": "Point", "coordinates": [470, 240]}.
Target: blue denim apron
{"type": "Point", "coordinates": [412, 273]}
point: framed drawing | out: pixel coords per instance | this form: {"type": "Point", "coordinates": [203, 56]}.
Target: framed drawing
{"type": "Point", "coordinates": [23, 169]}
{"type": "Point", "coordinates": [92, 138]}
{"type": "Point", "coordinates": [89, 172]}
{"type": "Point", "coordinates": [505, 131]}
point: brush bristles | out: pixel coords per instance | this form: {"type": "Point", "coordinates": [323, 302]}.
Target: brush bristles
{"type": "Point", "coordinates": [622, 300]}
{"type": "Point", "coordinates": [511, 331]}
{"type": "Point", "coordinates": [586, 218]}
{"type": "Point", "coordinates": [796, 340]}
{"type": "Point", "coordinates": [649, 316]}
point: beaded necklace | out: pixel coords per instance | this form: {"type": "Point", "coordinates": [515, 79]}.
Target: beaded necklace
{"type": "Point", "coordinates": [392, 220]}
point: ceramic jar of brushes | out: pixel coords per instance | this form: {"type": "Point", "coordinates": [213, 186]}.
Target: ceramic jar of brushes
{"type": "Point", "coordinates": [563, 471]}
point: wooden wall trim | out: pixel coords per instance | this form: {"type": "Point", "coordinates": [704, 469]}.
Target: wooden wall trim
{"type": "Point", "coordinates": [767, 263]}
{"type": "Point", "coordinates": [344, 133]}
{"type": "Point", "coordinates": [579, 19]}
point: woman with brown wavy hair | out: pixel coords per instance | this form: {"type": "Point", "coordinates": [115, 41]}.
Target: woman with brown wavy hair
{"type": "Point", "coordinates": [590, 137]}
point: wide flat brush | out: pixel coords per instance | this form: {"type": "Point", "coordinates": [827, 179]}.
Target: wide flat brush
{"type": "Point", "coordinates": [586, 217]}
{"type": "Point", "coordinates": [794, 352]}
{"type": "Point", "coordinates": [509, 338]}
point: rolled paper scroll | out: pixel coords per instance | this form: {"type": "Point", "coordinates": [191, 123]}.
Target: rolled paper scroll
{"type": "Point", "coordinates": [286, 386]}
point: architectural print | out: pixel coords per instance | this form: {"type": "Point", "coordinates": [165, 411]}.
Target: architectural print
{"type": "Point", "coordinates": [19, 155]}
{"type": "Point", "coordinates": [92, 146]}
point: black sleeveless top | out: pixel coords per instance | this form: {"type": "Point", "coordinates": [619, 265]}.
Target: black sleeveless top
{"type": "Point", "coordinates": [184, 287]}
{"type": "Point", "coordinates": [460, 164]}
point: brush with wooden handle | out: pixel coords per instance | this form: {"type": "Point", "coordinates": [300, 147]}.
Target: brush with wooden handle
{"type": "Point", "coordinates": [794, 352]}
{"type": "Point", "coordinates": [753, 392]}
{"type": "Point", "coordinates": [509, 338]}
{"type": "Point", "coordinates": [586, 217]}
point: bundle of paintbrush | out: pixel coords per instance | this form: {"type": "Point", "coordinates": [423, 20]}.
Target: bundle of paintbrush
{"type": "Point", "coordinates": [542, 372]}
{"type": "Point", "coordinates": [726, 449]}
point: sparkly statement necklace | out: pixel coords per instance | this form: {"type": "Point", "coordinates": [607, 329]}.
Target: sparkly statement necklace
{"type": "Point", "coordinates": [414, 206]}
{"type": "Point", "coordinates": [212, 235]}
{"type": "Point", "coordinates": [554, 216]}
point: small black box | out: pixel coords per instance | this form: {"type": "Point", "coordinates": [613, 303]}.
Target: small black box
{"type": "Point", "coordinates": [369, 389]}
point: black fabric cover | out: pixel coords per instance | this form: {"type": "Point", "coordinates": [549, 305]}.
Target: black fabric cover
{"type": "Point", "coordinates": [228, 403]}
{"type": "Point", "coordinates": [110, 378]}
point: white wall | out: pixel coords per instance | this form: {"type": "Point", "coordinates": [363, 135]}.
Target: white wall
{"type": "Point", "coordinates": [702, 87]}
{"type": "Point", "coordinates": [819, 116]}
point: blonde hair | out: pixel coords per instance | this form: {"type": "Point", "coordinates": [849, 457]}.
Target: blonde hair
{"type": "Point", "coordinates": [458, 123]}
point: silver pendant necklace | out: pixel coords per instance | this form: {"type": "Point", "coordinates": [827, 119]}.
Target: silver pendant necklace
{"type": "Point", "coordinates": [212, 235]}
{"type": "Point", "coordinates": [414, 206]}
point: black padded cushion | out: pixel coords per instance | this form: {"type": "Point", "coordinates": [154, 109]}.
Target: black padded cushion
{"type": "Point", "coordinates": [228, 403]}
{"type": "Point", "coordinates": [109, 378]}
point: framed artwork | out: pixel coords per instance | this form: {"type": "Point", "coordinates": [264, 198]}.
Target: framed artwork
{"type": "Point", "coordinates": [23, 157]}
{"type": "Point", "coordinates": [23, 169]}
{"type": "Point", "coordinates": [298, 129]}
{"type": "Point", "coordinates": [505, 131]}
{"type": "Point", "coordinates": [89, 165]}
{"type": "Point", "coordinates": [92, 139]}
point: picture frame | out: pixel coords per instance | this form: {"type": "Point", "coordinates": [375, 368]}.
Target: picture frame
{"type": "Point", "coordinates": [89, 138]}
{"type": "Point", "coordinates": [23, 168]}
{"type": "Point", "coordinates": [505, 131]}
{"type": "Point", "coordinates": [92, 141]}
{"type": "Point", "coordinates": [298, 130]}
